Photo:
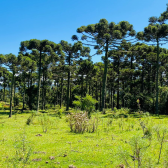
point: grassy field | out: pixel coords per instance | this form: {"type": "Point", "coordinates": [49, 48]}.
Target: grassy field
{"type": "Point", "coordinates": [119, 139]}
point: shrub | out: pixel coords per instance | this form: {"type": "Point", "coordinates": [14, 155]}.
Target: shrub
{"type": "Point", "coordinates": [87, 103]}
{"type": "Point", "coordinates": [139, 145]}
{"type": "Point", "coordinates": [45, 122]}
{"type": "Point", "coordinates": [93, 125]}
{"type": "Point", "coordinates": [60, 112]}
{"type": "Point", "coordinates": [79, 123]}
{"type": "Point", "coordinates": [23, 151]}
{"type": "Point", "coordinates": [6, 107]}
{"type": "Point", "coordinates": [31, 118]}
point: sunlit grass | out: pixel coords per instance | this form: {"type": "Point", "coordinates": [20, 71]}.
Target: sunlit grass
{"type": "Point", "coordinates": [99, 149]}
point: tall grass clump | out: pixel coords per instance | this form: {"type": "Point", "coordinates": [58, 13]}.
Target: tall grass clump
{"type": "Point", "coordinates": [139, 146]}
{"type": "Point", "coordinates": [45, 122]}
{"type": "Point", "coordinates": [23, 151]}
{"type": "Point", "coordinates": [80, 123]}
{"type": "Point", "coordinates": [30, 119]}
{"type": "Point", "coordinates": [161, 132]}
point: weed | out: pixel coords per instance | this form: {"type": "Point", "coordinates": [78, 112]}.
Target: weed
{"type": "Point", "coordinates": [22, 151]}
{"type": "Point", "coordinates": [124, 156]}
{"type": "Point", "coordinates": [79, 122]}
{"type": "Point", "coordinates": [93, 125]}
{"type": "Point", "coordinates": [121, 123]}
{"type": "Point", "coordinates": [166, 158]}
{"type": "Point", "coordinates": [60, 112]}
{"type": "Point", "coordinates": [161, 140]}
{"type": "Point", "coordinates": [45, 122]}
{"type": "Point", "coordinates": [143, 126]}
{"type": "Point", "coordinates": [138, 145]}
{"type": "Point", "coordinates": [31, 118]}
{"type": "Point", "coordinates": [157, 129]}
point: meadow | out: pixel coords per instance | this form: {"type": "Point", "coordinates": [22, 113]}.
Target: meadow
{"type": "Point", "coordinates": [119, 139]}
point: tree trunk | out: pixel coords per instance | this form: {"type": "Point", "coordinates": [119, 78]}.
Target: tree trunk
{"type": "Point", "coordinates": [118, 98]}
{"type": "Point", "coordinates": [82, 87]}
{"type": "Point", "coordinates": [104, 77]}
{"type": "Point", "coordinates": [23, 93]}
{"type": "Point", "coordinates": [142, 80]}
{"type": "Point", "coordinates": [71, 96]}
{"type": "Point", "coordinates": [14, 92]}
{"type": "Point", "coordinates": [55, 97]}
{"type": "Point", "coordinates": [89, 87]}
{"type": "Point", "coordinates": [100, 98]}
{"type": "Point", "coordinates": [4, 82]}
{"type": "Point", "coordinates": [131, 75]}
{"type": "Point", "coordinates": [43, 91]}
{"type": "Point", "coordinates": [39, 83]}
{"type": "Point", "coordinates": [68, 87]}
{"type": "Point", "coordinates": [149, 85]}
{"type": "Point", "coordinates": [111, 98]}
{"type": "Point", "coordinates": [86, 85]}
{"type": "Point", "coordinates": [61, 92]}
{"type": "Point", "coordinates": [57, 91]}
{"type": "Point", "coordinates": [123, 102]}
{"type": "Point", "coordinates": [157, 71]}
{"type": "Point", "coordinates": [96, 96]}
{"type": "Point", "coordinates": [11, 97]}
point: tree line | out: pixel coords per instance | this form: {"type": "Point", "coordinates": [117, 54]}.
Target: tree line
{"type": "Point", "coordinates": [47, 74]}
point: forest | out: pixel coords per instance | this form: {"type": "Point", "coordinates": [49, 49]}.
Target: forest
{"type": "Point", "coordinates": [115, 110]}
{"type": "Point", "coordinates": [45, 73]}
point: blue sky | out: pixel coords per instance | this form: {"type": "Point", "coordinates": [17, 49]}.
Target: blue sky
{"type": "Point", "coordinates": [58, 20]}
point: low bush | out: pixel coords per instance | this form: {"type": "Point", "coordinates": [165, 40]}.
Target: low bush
{"type": "Point", "coordinates": [31, 118]}
{"type": "Point", "coordinates": [87, 103]}
{"type": "Point", "coordinates": [45, 122]}
{"type": "Point", "coordinates": [79, 123]}
{"type": "Point", "coordinates": [23, 151]}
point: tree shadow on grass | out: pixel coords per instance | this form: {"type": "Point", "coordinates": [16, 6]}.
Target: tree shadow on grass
{"type": "Point", "coordinates": [4, 113]}
{"type": "Point", "coordinates": [160, 116]}
{"type": "Point", "coordinates": [133, 115]}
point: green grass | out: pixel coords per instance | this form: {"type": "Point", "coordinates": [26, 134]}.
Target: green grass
{"type": "Point", "coordinates": [104, 148]}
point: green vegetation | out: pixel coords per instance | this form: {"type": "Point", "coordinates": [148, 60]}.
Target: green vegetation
{"type": "Point", "coordinates": [87, 103]}
{"type": "Point", "coordinates": [47, 74]}
{"type": "Point", "coordinates": [59, 109]}
{"type": "Point", "coordinates": [119, 137]}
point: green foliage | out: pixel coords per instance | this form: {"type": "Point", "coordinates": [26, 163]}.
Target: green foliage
{"type": "Point", "coordinates": [123, 112]}
{"type": "Point", "coordinates": [23, 151]}
{"type": "Point", "coordinates": [60, 111]}
{"type": "Point", "coordinates": [163, 91]}
{"type": "Point", "coordinates": [45, 122]}
{"type": "Point", "coordinates": [97, 145]}
{"type": "Point", "coordinates": [87, 103]}
{"type": "Point", "coordinates": [16, 100]}
{"type": "Point", "coordinates": [139, 146]}
{"type": "Point", "coordinates": [124, 155]}
{"type": "Point", "coordinates": [31, 118]}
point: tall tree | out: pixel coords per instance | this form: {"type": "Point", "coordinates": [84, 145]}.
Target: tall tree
{"type": "Point", "coordinates": [106, 36]}
{"type": "Point", "coordinates": [73, 52]}
{"type": "Point", "coordinates": [12, 62]}
{"type": "Point", "coordinates": [156, 32]}
{"type": "Point", "coordinates": [41, 47]}
{"type": "Point", "coordinates": [26, 64]}
{"type": "Point", "coordinates": [5, 74]}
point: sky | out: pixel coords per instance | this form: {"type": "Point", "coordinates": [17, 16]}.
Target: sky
{"type": "Point", "coordinates": [57, 20]}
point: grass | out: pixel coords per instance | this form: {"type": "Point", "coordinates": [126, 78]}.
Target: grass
{"type": "Point", "coordinates": [111, 145]}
